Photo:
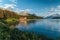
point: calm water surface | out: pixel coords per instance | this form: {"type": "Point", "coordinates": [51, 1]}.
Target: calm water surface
{"type": "Point", "coordinates": [48, 27]}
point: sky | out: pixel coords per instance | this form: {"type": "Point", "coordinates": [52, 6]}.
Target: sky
{"type": "Point", "coordinates": [38, 7]}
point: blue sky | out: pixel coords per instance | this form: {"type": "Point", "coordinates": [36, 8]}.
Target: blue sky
{"type": "Point", "coordinates": [39, 7]}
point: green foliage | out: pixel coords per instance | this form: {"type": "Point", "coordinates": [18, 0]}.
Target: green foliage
{"type": "Point", "coordinates": [7, 34]}
{"type": "Point", "coordinates": [11, 20]}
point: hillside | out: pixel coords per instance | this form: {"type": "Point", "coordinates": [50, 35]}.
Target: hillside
{"type": "Point", "coordinates": [54, 16]}
{"type": "Point", "coordinates": [29, 16]}
{"type": "Point", "coordinates": [8, 14]}
{"type": "Point", "coordinates": [11, 14]}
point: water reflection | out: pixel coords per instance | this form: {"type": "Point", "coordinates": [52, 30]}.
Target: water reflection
{"type": "Point", "coordinates": [12, 25]}
{"type": "Point", "coordinates": [49, 27]}
{"type": "Point", "coordinates": [53, 24]}
{"type": "Point", "coordinates": [54, 20]}
{"type": "Point", "coordinates": [25, 23]}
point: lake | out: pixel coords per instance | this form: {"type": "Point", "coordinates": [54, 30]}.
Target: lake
{"type": "Point", "coordinates": [48, 27]}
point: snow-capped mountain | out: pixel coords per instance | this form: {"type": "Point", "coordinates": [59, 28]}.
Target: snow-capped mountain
{"type": "Point", "coordinates": [53, 16]}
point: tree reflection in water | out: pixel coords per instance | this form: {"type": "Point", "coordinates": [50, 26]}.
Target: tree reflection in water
{"type": "Point", "coordinates": [7, 34]}
{"type": "Point", "coordinates": [25, 23]}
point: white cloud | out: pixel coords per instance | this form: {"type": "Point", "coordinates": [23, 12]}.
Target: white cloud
{"type": "Point", "coordinates": [54, 10]}
{"type": "Point", "coordinates": [51, 9]}
{"type": "Point", "coordinates": [0, 0]}
{"type": "Point", "coordinates": [8, 6]}
{"type": "Point", "coordinates": [14, 1]}
{"type": "Point", "coordinates": [58, 6]}
{"type": "Point", "coordinates": [28, 10]}
{"type": "Point", "coordinates": [20, 10]}
{"type": "Point", "coordinates": [13, 7]}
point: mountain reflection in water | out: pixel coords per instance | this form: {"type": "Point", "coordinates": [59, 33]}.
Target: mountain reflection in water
{"type": "Point", "coordinates": [49, 27]}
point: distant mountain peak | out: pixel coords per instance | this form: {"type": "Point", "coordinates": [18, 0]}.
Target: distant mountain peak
{"type": "Point", "coordinates": [53, 16]}
{"type": "Point", "coordinates": [24, 13]}
{"type": "Point", "coordinates": [56, 15]}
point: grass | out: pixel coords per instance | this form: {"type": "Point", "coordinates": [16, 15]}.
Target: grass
{"type": "Point", "coordinates": [11, 20]}
{"type": "Point", "coordinates": [8, 32]}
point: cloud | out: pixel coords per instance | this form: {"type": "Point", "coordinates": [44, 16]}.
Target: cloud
{"type": "Point", "coordinates": [14, 1]}
{"type": "Point", "coordinates": [55, 10]}
{"type": "Point", "coordinates": [20, 10]}
{"type": "Point", "coordinates": [8, 6]}
{"type": "Point", "coordinates": [58, 6]}
{"type": "Point", "coordinates": [0, 0]}
{"type": "Point", "coordinates": [28, 10]}
{"type": "Point", "coordinates": [51, 9]}
{"type": "Point", "coordinates": [14, 7]}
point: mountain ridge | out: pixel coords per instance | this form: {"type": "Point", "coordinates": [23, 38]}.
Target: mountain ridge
{"type": "Point", "coordinates": [53, 16]}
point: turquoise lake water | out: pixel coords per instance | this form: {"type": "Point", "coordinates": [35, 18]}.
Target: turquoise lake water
{"type": "Point", "coordinates": [48, 27]}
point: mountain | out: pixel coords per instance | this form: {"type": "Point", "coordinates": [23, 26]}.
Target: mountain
{"type": "Point", "coordinates": [54, 16]}
{"type": "Point", "coordinates": [24, 13]}
{"type": "Point", "coordinates": [29, 16]}
{"type": "Point", "coordinates": [4, 13]}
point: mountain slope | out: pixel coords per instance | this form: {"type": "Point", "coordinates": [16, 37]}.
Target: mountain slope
{"type": "Point", "coordinates": [4, 14]}
{"type": "Point", "coordinates": [8, 14]}
{"type": "Point", "coordinates": [54, 16]}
